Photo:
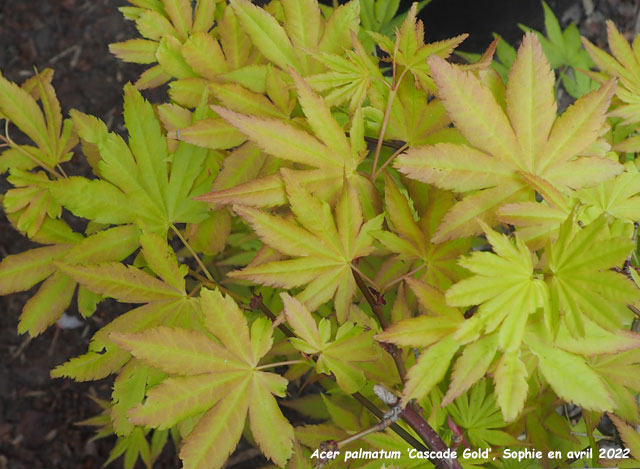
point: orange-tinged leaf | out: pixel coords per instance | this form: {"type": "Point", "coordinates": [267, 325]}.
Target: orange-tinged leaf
{"type": "Point", "coordinates": [240, 99]}
{"type": "Point", "coordinates": [272, 431]}
{"type": "Point", "coordinates": [178, 351]}
{"type": "Point", "coordinates": [629, 435]}
{"type": "Point", "coordinates": [312, 213]}
{"type": "Point", "coordinates": [47, 305]}
{"type": "Point", "coordinates": [124, 283]}
{"type": "Point", "coordinates": [622, 51]}
{"type": "Point", "coordinates": [460, 220]}
{"type": "Point", "coordinates": [225, 320]}
{"type": "Point", "coordinates": [577, 127]}
{"type": "Point", "coordinates": [304, 25]}
{"type": "Point", "coordinates": [21, 109]}
{"type": "Point", "coordinates": [320, 119]}
{"type": "Point", "coordinates": [455, 167]}
{"type": "Point", "coordinates": [262, 192]}
{"type": "Point", "coordinates": [20, 272]}
{"type": "Point", "coordinates": [181, 397]}
{"type": "Point", "coordinates": [531, 104]}
{"type": "Point", "coordinates": [290, 273]}
{"type": "Point", "coordinates": [217, 433]}
{"type": "Point", "coordinates": [204, 55]}
{"type": "Point", "coordinates": [265, 32]}
{"type": "Point", "coordinates": [283, 235]}
{"type": "Point", "coordinates": [337, 31]}
{"type": "Point", "coordinates": [282, 140]}
{"type": "Point", "coordinates": [469, 104]}
{"type": "Point", "coordinates": [301, 321]}
{"type": "Point", "coordinates": [180, 14]}
{"type": "Point", "coordinates": [140, 51]}
{"type": "Point", "coordinates": [399, 212]}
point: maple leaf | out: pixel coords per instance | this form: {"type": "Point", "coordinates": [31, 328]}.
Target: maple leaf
{"type": "Point", "coordinates": [348, 78]}
{"type": "Point", "coordinates": [328, 151]}
{"type": "Point", "coordinates": [166, 303]}
{"type": "Point", "coordinates": [340, 356]}
{"type": "Point", "coordinates": [411, 239]}
{"type": "Point", "coordinates": [411, 53]}
{"type": "Point", "coordinates": [478, 414]}
{"type": "Point", "coordinates": [617, 198]}
{"type": "Point", "coordinates": [29, 205]}
{"type": "Point", "coordinates": [136, 176]}
{"type": "Point", "coordinates": [20, 272]}
{"type": "Point", "coordinates": [619, 372]}
{"type": "Point", "coordinates": [506, 288]}
{"type": "Point", "coordinates": [510, 155]}
{"type": "Point", "coordinates": [219, 379]}
{"type": "Point", "coordinates": [563, 49]}
{"type": "Point", "coordinates": [323, 246]}
{"type": "Point", "coordinates": [625, 66]}
{"type": "Point", "coordinates": [581, 283]}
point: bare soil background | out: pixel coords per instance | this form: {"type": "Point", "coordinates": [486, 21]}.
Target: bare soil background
{"type": "Point", "coordinates": [37, 414]}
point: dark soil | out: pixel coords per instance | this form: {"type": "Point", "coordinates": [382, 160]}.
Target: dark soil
{"type": "Point", "coordinates": [37, 414]}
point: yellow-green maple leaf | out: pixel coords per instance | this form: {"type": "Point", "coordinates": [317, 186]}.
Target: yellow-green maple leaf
{"type": "Point", "coordinates": [340, 356]}
{"type": "Point", "coordinates": [411, 239]}
{"type": "Point", "coordinates": [219, 379]}
{"type": "Point", "coordinates": [513, 154]}
{"type": "Point", "coordinates": [327, 153]}
{"type": "Point", "coordinates": [322, 247]}
{"type": "Point", "coordinates": [623, 65]}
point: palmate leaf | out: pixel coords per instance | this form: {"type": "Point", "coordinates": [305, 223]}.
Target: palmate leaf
{"type": "Point", "coordinates": [44, 126]}
{"type": "Point", "coordinates": [526, 149]}
{"type": "Point", "coordinates": [563, 49]}
{"type": "Point", "coordinates": [328, 150]}
{"type": "Point", "coordinates": [218, 378]}
{"type": "Point", "coordinates": [581, 285]}
{"type": "Point", "coordinates": [411, 239]}
{"type": "Point", "coordinates": [348, 77]}
{"type": "Point", "coordinates": [410, 51]}
{"type": "Point", "coordinates": [619, 372]}
{"type": "Point", "coordinates": [339, 355]}
{"type": "Point", "coordinates": [322, 247]}
{"type": "Point", "coordinates": [136, 177]}
{"type": "Point", "coordinates": [617, 197]}
{"type": "Point", "coordinates": [22, 271]}
{"type": "Point", "coordinates": [478, 414]}
{"type": "Point", "coordinates": [166, 301]}
{"type": "Point", "coordinates": [504, 285]}
{"type": "Point", "coordinates": [624, 65]}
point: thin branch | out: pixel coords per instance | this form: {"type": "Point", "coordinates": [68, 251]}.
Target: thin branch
{"type": "Point", "coordinates": [407, 275]}
{"type": "Point", "coordinates": [213, 284]}
{"type": "Point", "coordinates": [430, 437]}
{"type": "Point", "coordinates": [390, 159]}
{"type": "Point", "coordinates": [385, 119]}
{"type": "Point", "coordinates": [415, 420]}
{"type": "Point", "coordinates": [193, 253]}
{"type": "Point", "coordinates": [627, 263]}
{"type": "Point", "coordinates": [395, 144]}
{"type": "Point", "coordinates": [376, 306]}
